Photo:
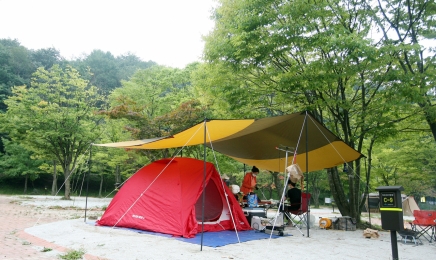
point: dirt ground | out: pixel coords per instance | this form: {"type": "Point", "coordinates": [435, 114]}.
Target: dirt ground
{"type": "Point", "coordinates": [16, 217]}
{"type": "Point", "coordinates": [46, 228]}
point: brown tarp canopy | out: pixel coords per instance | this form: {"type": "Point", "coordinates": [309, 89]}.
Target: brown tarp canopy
{"type": "Point", "coordinates": [261, 142]}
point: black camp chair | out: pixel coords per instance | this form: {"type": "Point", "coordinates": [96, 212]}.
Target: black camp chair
{"type": "Point", "coordinates": [301, 215]}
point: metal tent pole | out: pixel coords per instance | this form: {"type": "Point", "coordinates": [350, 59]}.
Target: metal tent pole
{"type": "Point", "coordinates": [87, 180]}
{"type": "Point", "coordinates": [307, 174]}
{"type": "Point", "coordinates": [204, 186]}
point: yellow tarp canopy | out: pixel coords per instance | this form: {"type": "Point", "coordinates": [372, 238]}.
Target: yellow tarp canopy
{"type": "Point", "coordinates": [260, 142]}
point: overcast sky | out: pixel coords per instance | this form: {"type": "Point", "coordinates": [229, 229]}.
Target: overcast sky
{"type": "Point", "coordinates": [165, 31]}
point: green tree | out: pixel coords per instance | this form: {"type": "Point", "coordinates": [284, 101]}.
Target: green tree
{"type": "Point", "coordinates": [157, 102]}
{"type": "Point", "coordinates": [55, 116]}
{"type": "Point", "coordinates": [16, 68]}
{"type": "Point", "coordinates": [408, 160]}
{"type": "Point", "coordinates": [18, 162]}
{"type": "Point", "coordinates": [107, 71]}
{"type": "Point", "coordinates": [46, 58]}
{"type": "Point", "coordinates": [314, 56]}
{"type": "Point", "coordinates": [129, 63]}
{"type": "Point", "coordinates": [408, 29]}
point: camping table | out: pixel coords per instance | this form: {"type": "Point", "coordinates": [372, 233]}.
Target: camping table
{"type": "Point", "coordinates": [251, 212]}
{"type": "Point", "coordinates": [262, 203]}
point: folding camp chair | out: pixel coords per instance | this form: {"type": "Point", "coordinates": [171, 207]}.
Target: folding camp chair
{"type": "Point", "coordinates": [300, 216]}
{"type": "Point", "coordinates": [424, 224]}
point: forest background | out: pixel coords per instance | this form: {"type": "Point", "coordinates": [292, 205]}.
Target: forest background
{"type": "Point", "coordinates": [365, 69]}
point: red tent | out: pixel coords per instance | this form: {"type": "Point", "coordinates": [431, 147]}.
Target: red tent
{"type": "Point", "coordinates": [166, 196]}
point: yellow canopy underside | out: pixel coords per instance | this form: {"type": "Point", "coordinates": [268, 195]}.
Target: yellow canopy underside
{"type": "Point", "coordinates": [325, 157]}
{"type": "Point", "coordinates": [193, 136]}
{"type": "Point", "coordinates": [255, 142]}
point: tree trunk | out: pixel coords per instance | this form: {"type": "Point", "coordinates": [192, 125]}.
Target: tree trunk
{"type": "Point", "coordinates": [67, 181]}
{"type": "Point", "coordinates": [351, 206]}
{"type": "Point", "coordinates": [430, 120]}
{"type": "Point", "coordinates": [54, 186]}
{"type": "Point", "coordinates": [101, 186]}
{"type": "Point", "coordinates": [117, 177]}
{"type": "Point", "coordinates": [315, 197]}
{"type": "Point", "coordinates": [337, 191]}
{"type": "Point", "coordinates": [26, 177]}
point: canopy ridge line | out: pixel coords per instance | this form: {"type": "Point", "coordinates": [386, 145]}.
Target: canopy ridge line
{"type": "Point", "coordinates": [154, 180]}
{"type": "Point", "coordinates": [222, 185]}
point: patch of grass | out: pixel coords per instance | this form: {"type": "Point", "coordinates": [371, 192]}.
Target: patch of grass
{"type": "Point", "coordinates": [10, 189]}
{"type": "Point", "coordinates": [25, 197]}
{"type": "Point", "coordinates": [93, 217]}
{"type": "Point", "coordinates": [46, 249]}
{"type": "Point", "coordinates": [56, 207]}
{"type": "Point", "coordinates": [64, 208]}
{"type": "Point", "coordinates": [75, 216]}
{"type": "Point", "coordinates": [73, 255]}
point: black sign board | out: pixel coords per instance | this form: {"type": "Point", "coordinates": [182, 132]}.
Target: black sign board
{"type": "Point", "coordinates": [388, 199]}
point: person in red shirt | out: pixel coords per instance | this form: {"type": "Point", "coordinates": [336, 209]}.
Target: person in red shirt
{"type": "Point", "coordinates": [249, 183]}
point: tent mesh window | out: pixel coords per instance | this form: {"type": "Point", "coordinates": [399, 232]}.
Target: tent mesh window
{"type": "Point", "coordinates": [213, 205]}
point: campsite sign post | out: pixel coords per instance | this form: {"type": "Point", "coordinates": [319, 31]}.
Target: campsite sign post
{"type": "Point", "coordinates": [391, 209]}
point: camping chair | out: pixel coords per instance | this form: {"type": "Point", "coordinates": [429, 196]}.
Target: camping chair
{"type": "Point", "coordinates": [424, 224]}
{"type": "Point", "coordinates": [300, 215]}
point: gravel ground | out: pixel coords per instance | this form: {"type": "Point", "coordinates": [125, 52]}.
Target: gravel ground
{"type": "Point", "coordinates": [46, 227]}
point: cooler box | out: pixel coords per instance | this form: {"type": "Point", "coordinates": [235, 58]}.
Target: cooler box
{"type": "Point", "coordinates": [250, 212]}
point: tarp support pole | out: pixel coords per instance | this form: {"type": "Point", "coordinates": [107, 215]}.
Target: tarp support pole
{"type": "Point", "coordinates": [307, 174]}
{"type": "Point", "coordinates": [204, 186]}
{"type": "Point", "coordinates": [87, 180]}
{"type": "Point", "coordinates": [367, 194]}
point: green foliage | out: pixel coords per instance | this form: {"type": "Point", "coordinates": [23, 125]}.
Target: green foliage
{"type": "Point", "coordinates": [263, 58]}
{"type": "Point", "coordinates": [107, 71]}
{"type": "Point", "coordinates": [283, 56]}
{"type": "Point", "coordinates": [73, 255]}
{"type": "Point", "coordinates": [15, 68]}
{"type": "Point", "coordinates": [18, 162]}
{"type": "Point", "coordinates": [157, 102]}
{"type": "Point", "coordinates": [46, 58]}
{"type": "Point", "coordinates": [409, 161]}
{"type": "Point", "coordinates": [46, 249]}
{"type": "Point", "coordinates": [55, 117]}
